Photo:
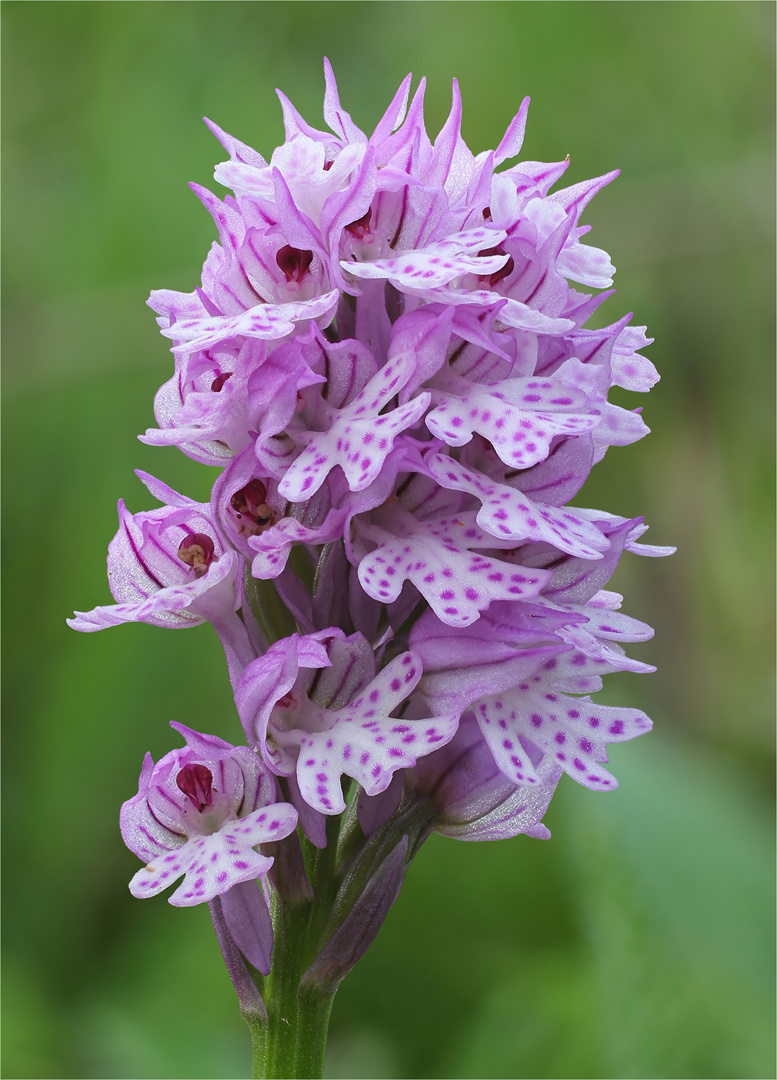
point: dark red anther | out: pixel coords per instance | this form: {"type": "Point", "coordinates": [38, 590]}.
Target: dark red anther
{"type": "Point", "coordinates": [220, 379]}
{"type": "Point", "coordinates": [294, 262]}
{"type": "Point", "coordinates": [249, 503]}
{"type": "Point", "coordinates": [197, 551]}
{"type": "Point", "coordinates": [486, 213]}
{"type": "Point", "coordinates": [249, 498]}
{"type": "Point", "coordinates": [361, 227]}
{"type": "Point", "coordinates": [504, 271]}
{"type": "Point", "coordinates": [196, 782]}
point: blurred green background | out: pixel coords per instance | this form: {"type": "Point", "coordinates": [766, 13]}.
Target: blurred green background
{"type": "Point", "coordinates": [637, 942]}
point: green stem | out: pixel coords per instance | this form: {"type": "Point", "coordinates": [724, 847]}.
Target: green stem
{"type": "Point", "coordinates": [298, 1015]}
{"type": "Point", "coordinates": [258, 1029]}
{"type": "Point", "coordinates": [314, 1008]}
{"type": "Point", "coordinates": [281, 998]}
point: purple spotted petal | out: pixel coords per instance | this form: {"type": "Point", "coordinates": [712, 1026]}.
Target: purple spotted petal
{"type": "Point", "coordinates": [434, 555]}
{"type": "Point", "coordinates": [509, 514]}
{"type": "Point", "coordinates": [595, 630]}
{"type": "Point", "coordinates": [438, 263]}
{"type": "Point", "coordinates": [268, 321]}
{"type": "Point", "coordinates": [213, 864]}
{"type": "Point", "coordinates": [363, 740]}
{"type": "Point", "coordinates": [590, 644]}
{"type": "Point", "coordinates": [572, 732]}
{"type": "Point", "coordinates": [360, 436]}
{"type": "Point", "coordinates": [519, 417]}
{"type": "Point", "coordinates": [273, 547]}
{"type": "Point", "coordinates": [586, 264]}
{"type": "Point", "coordinates": [629, 368]}
{"type": "Point", "coordinates": [511, 312]}
{"type": "Point", "coordinates": [620, 427]}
